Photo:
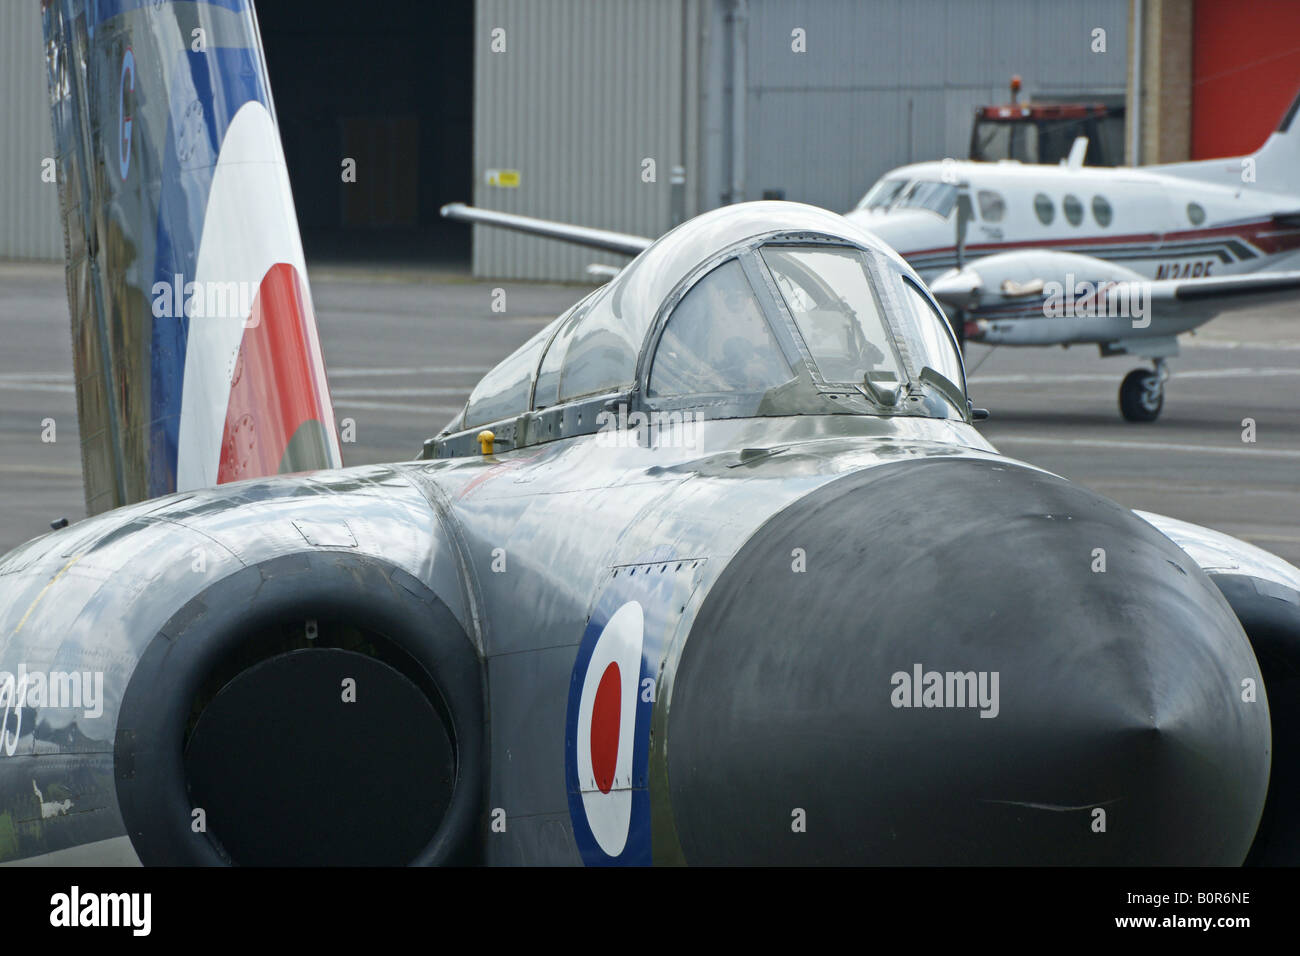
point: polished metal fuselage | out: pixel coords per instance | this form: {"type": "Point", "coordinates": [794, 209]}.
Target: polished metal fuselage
{"type": "Point", "coordinates": [519, 545]}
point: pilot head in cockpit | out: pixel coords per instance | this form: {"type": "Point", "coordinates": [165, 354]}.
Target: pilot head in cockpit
{"type": "Point", "coordinates": [746, 355]}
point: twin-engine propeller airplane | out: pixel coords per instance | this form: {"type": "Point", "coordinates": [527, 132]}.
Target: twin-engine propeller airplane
{"type": "Point", "coordinates": [1030, 255]}
{"type": "Point", "coordinates": [713, 569]}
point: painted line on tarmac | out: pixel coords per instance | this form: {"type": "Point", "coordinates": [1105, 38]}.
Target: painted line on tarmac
{"type": "Point", "coordinates": [38, 387]}
{"type": "Point", "coordinates": [1236, 344]}
{"type": "Point", "coordinates": [346, 371]}
{"type": "Point", "coordinates": [36, 376]}
{"type": "Point", "coordinates": [430, 392]}
{"type": "Point", "coordinates": [349, 404]}
{"type": "Point", "coordinates": [48, 470]}
{"type": "Point", "coordinates": [1140, 446]}
{"type": "Point", "coordinates": [1046, 378]}
{"type": "Point", "coordinates": [353, 371]}
{"type": "Point", "coordinates": [37, 382]}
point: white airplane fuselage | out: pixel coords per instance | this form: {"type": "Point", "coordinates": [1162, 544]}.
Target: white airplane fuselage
{"type": "Point", "coordinates": [1159, 224]}
{"type": "Point", "coordinates": [1125, 259]}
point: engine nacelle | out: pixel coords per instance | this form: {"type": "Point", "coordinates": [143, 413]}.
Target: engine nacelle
{"type": "Point", "coordinates": [1069, 298]}
{"type": "Point", "coordinates": [1264, 593]}
{"type": "Point", "coordinates": [274, 672]}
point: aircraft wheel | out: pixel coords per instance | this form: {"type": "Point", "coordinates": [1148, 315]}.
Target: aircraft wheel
{"type": "Point", "coordinates": [1141, 395]}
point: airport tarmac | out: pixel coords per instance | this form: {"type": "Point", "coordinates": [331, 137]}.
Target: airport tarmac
{"type": "Point", "coordinates": [405, 346]}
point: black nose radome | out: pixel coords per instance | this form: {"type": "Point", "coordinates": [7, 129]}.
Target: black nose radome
{"type": "Point", "coordinates": [965, 661]}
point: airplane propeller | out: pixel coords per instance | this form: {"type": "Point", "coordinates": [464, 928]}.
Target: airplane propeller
{"type": "Point", "coordinates": [964, 216]}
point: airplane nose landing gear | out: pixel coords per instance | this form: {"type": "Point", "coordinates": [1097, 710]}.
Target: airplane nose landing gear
{"type": "Point", "coordinates": [1142, 393]}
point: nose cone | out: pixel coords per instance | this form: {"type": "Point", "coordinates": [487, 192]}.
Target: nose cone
{"type": "Point", "coordinates": [979, 664]}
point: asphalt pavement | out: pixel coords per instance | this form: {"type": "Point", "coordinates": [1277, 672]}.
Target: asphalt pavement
{"type": "Point", "coordinates": [404, 347]}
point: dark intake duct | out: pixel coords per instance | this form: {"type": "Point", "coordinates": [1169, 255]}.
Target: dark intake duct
{"type": "Point", "coordinates": [319, 709]}
{"type": "Point", "coordinates": [321, 757]}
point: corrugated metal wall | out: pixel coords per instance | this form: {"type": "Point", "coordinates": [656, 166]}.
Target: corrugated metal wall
{"type": "Point", "coordinates": [584, 92]}
{"type": "Point", "coordinates": [29, 208]}
{"type": "Point", "coordinates": [888, 82]}
{"type": "Point", "coordinates": [587, 88]}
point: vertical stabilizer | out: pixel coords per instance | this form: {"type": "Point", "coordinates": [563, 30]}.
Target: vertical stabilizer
{"type": "Point", "coordinates": [194, 339]}
{"type": "Point", "coordinates": [1277, 162]}
{"type": "Point", "coordinates": [1274, 167]}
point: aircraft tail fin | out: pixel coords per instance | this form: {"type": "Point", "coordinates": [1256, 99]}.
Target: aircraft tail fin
{"type": "Point", "coordinates": [1277, 162]}
{"type": "Point", "coordinates": [1274, 167]}
{"type": "Point", "coordinates": [196, 353]}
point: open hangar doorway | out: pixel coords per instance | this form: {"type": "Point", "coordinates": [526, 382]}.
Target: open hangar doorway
{"type": "Point", "coordinates": [390, 86]}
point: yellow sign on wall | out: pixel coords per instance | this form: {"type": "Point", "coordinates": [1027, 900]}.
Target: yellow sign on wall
{"type": "Point", "coordinates": [509, 178]}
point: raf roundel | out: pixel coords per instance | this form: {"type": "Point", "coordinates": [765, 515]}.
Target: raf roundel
{"type": "Point", "coordinates": [605, 735]}
{"type": "Point", "coordinates": [124, 120]}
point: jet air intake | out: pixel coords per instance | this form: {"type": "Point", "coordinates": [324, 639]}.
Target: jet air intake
{"type": "Point", "coordinates": [318, 709]}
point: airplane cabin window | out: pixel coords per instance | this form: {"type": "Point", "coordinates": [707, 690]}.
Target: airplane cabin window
{"type": "Point", "coordinates": [1195, 213]}
{"type": "Point", "coordinates": [1073, 210]}
{"type": "Point", "coordinates": [882, 194]}
{"type": "Point", "coordinates": [717, 340]}
{"type": "Point", "coordinates": [829, 294]}
{"type": "Point", "coordinates": [1044, 209]}
{"type": "Point", "coordinates": [1101, 210]}
{"type": "Point", "coordinates": [503, 392]}
{"type": "Point", "coordinates": [924, 194]}
{"type": "Point", "coordinates": [929, 340]}
{"type": "Point", "coordinates": [992, 206]}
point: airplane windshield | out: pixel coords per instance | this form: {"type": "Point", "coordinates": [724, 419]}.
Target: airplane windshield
{"type": "Point", "coordinates": [717, 340]}
{"type": "Point", "coordinates": [902, 193]}
{"type": "Point", "coordinates": [923, 194]}
{"type": "Point", "coordinates": [882, 194]}
{"type": "Point", "coordinates": [829, 294]}
{"type": "Point", "coordinates": [931, 344]}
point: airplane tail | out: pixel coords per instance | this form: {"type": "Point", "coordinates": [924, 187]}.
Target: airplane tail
{"type": "Point", "coordinates": [1275, 166]}
{"type": "Point", "coordinates": [1277, 162]}
{"type": "Point", "coordinates": [195, 347]}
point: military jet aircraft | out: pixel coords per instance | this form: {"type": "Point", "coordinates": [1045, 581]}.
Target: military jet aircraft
{"type": "Point", "coordinates": [1030, 255]}
{"type": "Point", "coordinates": [713, 569]}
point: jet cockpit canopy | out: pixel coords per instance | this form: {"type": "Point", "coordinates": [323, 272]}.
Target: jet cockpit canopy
{"type": "Point", "coordinates": [757, 309]}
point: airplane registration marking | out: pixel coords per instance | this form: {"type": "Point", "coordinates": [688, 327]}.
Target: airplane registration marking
{"type": "Point", "coordinates": [1193, 270]}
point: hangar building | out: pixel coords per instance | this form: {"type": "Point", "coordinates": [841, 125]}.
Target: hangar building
{"type": "Point", "coordinates": [632, 114]}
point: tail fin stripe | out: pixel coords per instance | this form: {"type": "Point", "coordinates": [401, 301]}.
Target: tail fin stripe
{"type": "Point", "coordinates": [207, 91]}
{"type": "Point", "coordinates": [1290, 115]}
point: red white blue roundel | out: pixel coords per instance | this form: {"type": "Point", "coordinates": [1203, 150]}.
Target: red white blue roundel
{"type": "Point", "coordinates": [606, 724]}
{"type": "Point", "coordinates": [607, 738]}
